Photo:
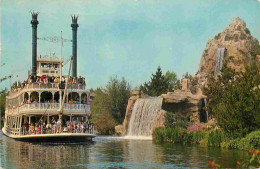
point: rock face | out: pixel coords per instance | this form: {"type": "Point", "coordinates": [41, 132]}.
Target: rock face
{"type": "Point", "coordinates": [186, 103]}
{"type": "Point", "coordinates": [122, 129]}
{"type": "Point", "coordinates": [159, 122]}
{"type": "Point", "coordinates": [238, 42]}
{"type": "Point", "coordinates": [185, 84]}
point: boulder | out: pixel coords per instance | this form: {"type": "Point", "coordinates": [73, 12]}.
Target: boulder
{"type": "Point", "coordinates": [186, 103]}
{"type": "Point", "coordinates": [175, 97]}
{"type": "Point", "coordinates": [119, 130]}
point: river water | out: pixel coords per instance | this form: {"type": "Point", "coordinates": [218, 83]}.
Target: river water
{"type": "Point", "coordinates": [111, 152]}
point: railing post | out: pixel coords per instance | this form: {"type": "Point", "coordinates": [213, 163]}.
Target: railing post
{"type": "Point", "coordinates": [20, 124]}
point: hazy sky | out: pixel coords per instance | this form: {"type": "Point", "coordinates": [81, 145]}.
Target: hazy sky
{"type": "Point", "coordinates": [126, 38]}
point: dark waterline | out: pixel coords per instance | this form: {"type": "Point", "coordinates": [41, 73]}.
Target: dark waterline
{"type": "Point", "coordinates": [112, 152]}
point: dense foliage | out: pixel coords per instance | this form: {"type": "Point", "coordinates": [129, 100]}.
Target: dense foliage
{"type": "Point", "coordinates": [211, 138]}
{"type": "Point", "coordinates": [250, 141]}
{"type": "Point", "coordinates": [109, 105]}
{"type": "Point", "coordinates": [234, 99]}
{"type": "Point", "coordinates": [175, 120]}
{"type": "Point", "coordinates": [160, 83]}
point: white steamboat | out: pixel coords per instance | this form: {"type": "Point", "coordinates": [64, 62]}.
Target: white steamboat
{"type": "Point", "coordinates": [49, 106]}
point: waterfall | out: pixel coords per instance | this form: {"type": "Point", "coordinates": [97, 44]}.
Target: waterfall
{"type": "Point", "coordinates": [143, 116]}
{"type": "Point", "coordinates": [219, 60]}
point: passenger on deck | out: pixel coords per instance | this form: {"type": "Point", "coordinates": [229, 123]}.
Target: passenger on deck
{"type": "Point", "coordinates": [53, 120]}
{"type": "Point", "coordinates": [25, 101]}
{"type": "Point", "coordinates": [39, 129]}
{"type": "Point", "coordinates": [49, 127]}
{"type": "Point", "coordinates": [54, 128]}
{"type": "Point", "coordinates": [58, 126]}
{"type": "Point", "coordinates": [67, 123]}
{"type": "Point", "coordinates": [42, 79]}
{"type": "Point", "coordinates": [46, 80]}
{"type": "Point", "coordinates": [43, 128]}
{"type": "Point", "coordinates": [31, 129]}
{"type": "Point", "coordinates": [36, 128]}
{"type": "Point", "coordinates": [38, 80]}
{"type": "Point", "coordinates": [82, 128]}
{"type": "Point", "coordinates": [70, 128]}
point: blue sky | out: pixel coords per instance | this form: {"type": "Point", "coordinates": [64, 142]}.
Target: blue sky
{"type": "Point", "coordinates": [125, 38]}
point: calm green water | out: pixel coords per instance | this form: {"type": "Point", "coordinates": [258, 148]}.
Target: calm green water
{"type": "Point", "coordinates": [111, 152]}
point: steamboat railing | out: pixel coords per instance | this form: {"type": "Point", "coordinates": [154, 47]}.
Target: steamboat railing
{"type": "Point", "coordinates": [50, 106]}
{"type": "Point", "coordinates": [46, 86]}
{"type": "Point", "coordinates": [54, 86]}
{"type": "Point", "coordinates": [89, 129]}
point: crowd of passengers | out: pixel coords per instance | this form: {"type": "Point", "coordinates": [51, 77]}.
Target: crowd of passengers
{"type": "Point", "coordinates": [85, 101]}
{"type": "Point", "coordinates": [54, 127]}
{"type": "Point", "coordinates": [45, 79]}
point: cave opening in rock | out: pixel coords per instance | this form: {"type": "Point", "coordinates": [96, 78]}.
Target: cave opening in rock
{"type": "Point", "coordinates": [202, 113]}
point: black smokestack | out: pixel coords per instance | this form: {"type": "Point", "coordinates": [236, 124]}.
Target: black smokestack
{"type": "Point", "coordinates": [74, 26]}
{"type": "Point", "coordinates": [34, 23]}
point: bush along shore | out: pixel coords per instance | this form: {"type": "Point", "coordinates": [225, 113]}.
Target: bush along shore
{"type": "Point", "coordinates": [211, 138]}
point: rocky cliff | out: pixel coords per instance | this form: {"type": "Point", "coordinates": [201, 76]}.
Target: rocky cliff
{"type": "Point", "coordinates": [239, 44]}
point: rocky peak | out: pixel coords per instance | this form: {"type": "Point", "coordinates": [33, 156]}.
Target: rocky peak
{"type": "Point", "coordinates": [236, 21]}
{"type": "Point", "coordinates": [238, 42]}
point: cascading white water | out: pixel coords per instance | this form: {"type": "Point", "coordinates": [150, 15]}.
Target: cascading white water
{"type": "Point", "coordinates": [143, 116]}
{"type": "Point", "coordinates": [219, 60]}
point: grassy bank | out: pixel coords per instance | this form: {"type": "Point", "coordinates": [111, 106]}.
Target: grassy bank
{"type": "Point", "coordinates": [211, 138]}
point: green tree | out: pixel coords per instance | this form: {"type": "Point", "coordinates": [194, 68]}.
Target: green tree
{"type": "Point", "coordinates": [101, 102]}
{"type": "Point", "coordinates": [234, 99]}
{"type": "Point", "coordinates": [158, 84]}
{"type": "Point", "coordinates": [101, 113]}
{"type": "Point", "coordinates": [119, 93]}
{"type": "Point", "coordinates": [3, 95]}
{"type": "Point", "coordinates": [171, 77]}
{"type": "Point", "coordinates": [109, 105]}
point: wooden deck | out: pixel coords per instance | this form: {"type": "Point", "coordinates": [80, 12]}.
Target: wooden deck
{"type": "Point", "coordinates": [59, 137]}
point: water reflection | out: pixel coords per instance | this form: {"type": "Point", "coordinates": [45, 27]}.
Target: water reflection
{"type": "Point", "coordinates": [111, 152]}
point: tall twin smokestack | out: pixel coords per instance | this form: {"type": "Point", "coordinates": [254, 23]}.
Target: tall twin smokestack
{"type": "Point", "coordinates": [34, 23]}
{"type": "Point", "coordinates": [74, 26]}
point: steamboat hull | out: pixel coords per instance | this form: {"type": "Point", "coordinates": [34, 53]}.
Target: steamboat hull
{"type": "Point", "coordinates": [53, 138]}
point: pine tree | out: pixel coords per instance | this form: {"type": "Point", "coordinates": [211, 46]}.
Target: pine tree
{"type": "Point", "coordinates": [158, 84]}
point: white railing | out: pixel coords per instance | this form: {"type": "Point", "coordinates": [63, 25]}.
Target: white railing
{"type": "Point", "coordinates": [72, 87]}
{"type": "Point", "coordinates": [69, 106]}
{"type": "Point", "coordinates": [13, 111]}
{"type": "Point", "coordinates": [87, 129]}
{"type": "Point", "coordinates": [39, 106]}
{"type": "Point", "coordinates": [54, 86]}
{"type": "Point", "coordinates": [50, 106]}
{"type": "Point", "coordinates": [42, 86]}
